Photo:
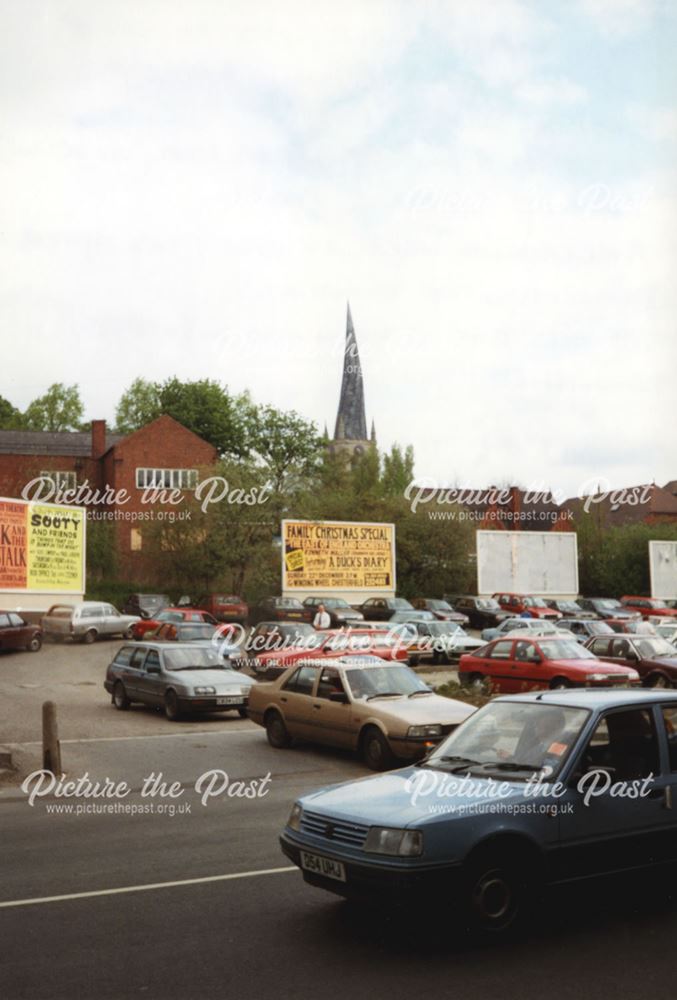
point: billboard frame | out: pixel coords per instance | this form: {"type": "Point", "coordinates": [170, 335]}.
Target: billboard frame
{"type": "Point", "coordinates": [345, 590]}
{"type": "Point", "coordinates": [526, 534]}
{"type": "Point", "coordinates": [83, 569]}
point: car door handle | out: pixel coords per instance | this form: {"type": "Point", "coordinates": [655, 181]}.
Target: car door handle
{"type": "Point", "coordinates": [317, 706]}
{"type": "Point", "coordinates": [282, 698]}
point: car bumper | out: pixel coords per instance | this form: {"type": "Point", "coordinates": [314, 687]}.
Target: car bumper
{"type": "Point", "coordinates": [376, 881]}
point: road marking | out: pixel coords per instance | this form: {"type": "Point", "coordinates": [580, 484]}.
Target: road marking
{"type": "Point", "coordinates": [154, 736]}
{"type": "Point", "coordinates": [144, 888]}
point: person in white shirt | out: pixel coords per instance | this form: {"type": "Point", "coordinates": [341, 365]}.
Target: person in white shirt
{"type": "Point", "coordinates": [321, 619]}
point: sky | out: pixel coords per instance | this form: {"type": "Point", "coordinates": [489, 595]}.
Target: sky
{"type": "Point", "coordinates": [197, 188]}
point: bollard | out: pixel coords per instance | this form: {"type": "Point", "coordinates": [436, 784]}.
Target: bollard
{"type": "Point", "coordinates": [51, 748]}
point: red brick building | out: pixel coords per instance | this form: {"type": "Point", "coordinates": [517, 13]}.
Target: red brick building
{"type": "Point", "coordinates": [124, 479]}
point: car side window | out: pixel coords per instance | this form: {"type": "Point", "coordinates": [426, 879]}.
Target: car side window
{"type": "Point", "coordinates": [302, 681]}
{"type": "Point", "coordinates": [4, 621]}
{"type": "Point", "coordinates": [137, 659]}
{"type": "Point", "coordinates": [153, 659]}
{"type": "Point", "coordinates": [330, 683]}
{"type": "Point", "coordinates": [620, 648]}
{"type": "Point", "coordinates": [108, 609]}
{"type": "Point", "coordinates": [600, 647]}
{"type": "Point", "coordinates": [626, 743]}
{"type": "Point", "coordinates": [123, 656]}
{"type": "Point", "coordinates": [501, 651]}
{"type": "Point", "coordinates": [670, 722]}
{"type": "Point", "coordinates": [525, 651]}
{"type": "Point", "coordinates": [16, 620]}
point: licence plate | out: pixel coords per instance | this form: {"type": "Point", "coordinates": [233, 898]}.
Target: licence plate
{"type": "Point", "coordinates": [230, 700]}
{"type": "Point", "coordinates": [323, 866]}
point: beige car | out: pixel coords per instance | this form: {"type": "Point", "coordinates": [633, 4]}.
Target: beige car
{"type": "Point", "coordinates": [383, 710]}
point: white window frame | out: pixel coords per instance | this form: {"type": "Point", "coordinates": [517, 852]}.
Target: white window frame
{"type": "Point", "coordinates": [166, 479]}
{"type": "Point", "coordinates": [63, 480]}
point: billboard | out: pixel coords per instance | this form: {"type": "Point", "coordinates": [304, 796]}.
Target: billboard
{"type": "Point", "coordinates": [328, 556]}
{"type": "Point", "coordinates": [527, 562]}
{"type": "Point", "coordinates": [42, 548]}
{"type": "Point", "coordinates": [663, 569]}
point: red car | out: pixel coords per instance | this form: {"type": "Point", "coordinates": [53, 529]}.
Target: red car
{"type": "Point", "coordinates": [518, 604]}
{"type": "Point", "coordinates": [649, 607]}
{"type": "Point", "coordinates": [16, 633]}
{"type": "Point", "coordinates": [510, 666]}
{"type": "Point", "coordinates": [141, 629]}
{"type": "Point", "coordinates": [224, 607]}
{"type": "Point", "coordinates": [329, 644]}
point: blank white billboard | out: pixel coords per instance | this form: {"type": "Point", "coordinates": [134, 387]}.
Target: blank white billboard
{"type": "Point", "coordinates": [527, 562]}
{"type": "Point", "coordinates": [663, 569]}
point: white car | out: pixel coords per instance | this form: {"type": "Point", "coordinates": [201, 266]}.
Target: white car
{"type": "Point", "coordinates": [667, 630]}
{"type": "Point", "coordinates": [516, 626]}
{"type": "Point", "coordinates": [86, 621]}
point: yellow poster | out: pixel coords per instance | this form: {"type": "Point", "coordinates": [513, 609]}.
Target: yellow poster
{"type": "Point", "coordinates": [338, 555]}
{"type": "Point", "coordinates": [45, 548]}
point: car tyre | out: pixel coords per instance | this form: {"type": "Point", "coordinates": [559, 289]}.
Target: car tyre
{"type": "Point", "coordinates": [120, 699]}
{"type": "Point", "coordinates": [277, 732]}
{"type": "Point", "coordinates": [172, 710]}
{"type": "Point", "coordinates": [658, 681]}
{"type": "Point", "coordinates": [376, 751]}
{"type": "Point", "coordinates": [498, 893]}
{"type": "Point", "coordinates": [128, 634]}
{"type": "Point", "coordinates": [35, 644]}
{"type": "Point", "coordinates": [242, 712]}
{"type": "Point", "coordinates": [558, 683]}
{"type": "Point", "coordinates": [89, 637]}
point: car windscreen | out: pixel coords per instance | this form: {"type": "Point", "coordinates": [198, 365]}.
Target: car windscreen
{"type": "Point", "coordinates": [654, 647]}
{"type": "Point", "coordinates": [488, 604]}
{"type": "Point", "coordinates": [535, 602]}
{"type": "Point", "coordinates": [402, 605]}
{"type": "Point", "coordinates": [565, 649]}
{"type": "Point", "coordinates": [192, 632]}
{"type": "Point", "coordinates": [443, 628]}
{"type": "Point", "coordinates": [196, 658]}
{"type": "Point", "coordinates": [515, 739]}
{"type": "Point", "coordinates": [375, 682]}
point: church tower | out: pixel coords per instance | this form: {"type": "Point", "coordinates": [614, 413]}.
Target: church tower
{"type": "Point", "coordinates": [350, 432]}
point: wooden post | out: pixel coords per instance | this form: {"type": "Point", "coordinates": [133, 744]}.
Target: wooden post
{"type": "Point", "coordinates": [51, 748]}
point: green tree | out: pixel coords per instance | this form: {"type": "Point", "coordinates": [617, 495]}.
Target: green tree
{"type": "Point", "coordinates": [10, 417]}
{"type": "Point", "coordinates": [138, 405]}
{"type": "Point", "coordinates": [398, 470]}
{"type": "Point", "coordinates": [60, 409]}
{"type": "Point", "coordinates": [206, 408]}
{"type": "Point", "coordinates": [287, 446]}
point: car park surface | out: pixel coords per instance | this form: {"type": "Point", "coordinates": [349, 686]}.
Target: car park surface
{"type": "Point", "coordinates": [518, 663]}
{"type": "Point", "coordinates": [383, 838]}
{"type": "Point", "coordinates": [383, 711]}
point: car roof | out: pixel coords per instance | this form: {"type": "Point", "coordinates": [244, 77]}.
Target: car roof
{"type": "Point", "coordinates": [162, 645]}
{"type": "Point", "coordinates": [595, 698]}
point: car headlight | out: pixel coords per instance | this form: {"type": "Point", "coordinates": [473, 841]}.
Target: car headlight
{"type": "Point", "coordinates": [397, 843]}
{"type": "Point", "coordinates": [421, 732]}
{"type": "Point", "coordinates": [294, 821]}
{"type": "Point", "coordinates": [205, 690]}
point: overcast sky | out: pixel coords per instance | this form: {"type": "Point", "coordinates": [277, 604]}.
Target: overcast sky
{"type": "Point", "coordinates": [196, 188]}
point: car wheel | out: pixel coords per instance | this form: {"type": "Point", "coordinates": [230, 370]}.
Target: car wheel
{"type": "Point", "coordinates": [90, 636]}
{"type": "Point", "coordinates": [172, 710]}
{"type": "Point", "coordinates": [277, 732]}
{"type": "Point", "coordinates": [120, 699]}
{"type": "Point", "coordinates": [413, 661]}
{"type": "Point", "coordinates": [376, 751]}
{"type": "Point", "coordinates": [438, 657]}
{"type": "Point", "coordinates": [496, 894]}
{"type": "Point", "coordinates": [478, 683]}
{"type": "Point", "coordinates": [242, 712]}
{"type": "Point", "coordinates": [35, 644]}
{"type": "Point", "coordinates": [128, 634]}
{"type": "Point", "coordinates": [557, 683]}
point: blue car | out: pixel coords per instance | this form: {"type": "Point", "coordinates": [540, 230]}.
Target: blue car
{"type": "Point", "coordinates": [531, 790]}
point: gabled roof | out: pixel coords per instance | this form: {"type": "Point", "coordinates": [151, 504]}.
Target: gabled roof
{"type": "Point", "coordinates": [651, 501]}
{"type": "Point", "coordinates": [75, 443]}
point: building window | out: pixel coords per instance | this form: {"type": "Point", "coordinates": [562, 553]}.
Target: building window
{"type": "Point", "coordinates": [135, 540]}
{"type": "Point", "coordinates": [62, 480]}
{"type": "Point", "coordinates": [169, 479]}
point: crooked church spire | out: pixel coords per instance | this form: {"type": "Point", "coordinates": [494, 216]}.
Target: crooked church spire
{"type": "Point", "coordinates": [351, 420]}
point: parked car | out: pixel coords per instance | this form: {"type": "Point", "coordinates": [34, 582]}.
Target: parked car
{"type": "Point", "coordinates": [667, 631]}
{"type": "Point", "coordinates": [517, 604]}
{"type": "Point", "coordinates": [383, 711]}
{"type": "Point", "coordinates": [636, 627]}
{"type": "Point", "coordinates": [649, 607]}
{"type": "Point", "coordinates": [653, 658]}
{"type": "Point", "coordinates": [339, 611]}
{"type": "Point", "coordinates": [437, 641]}
{"type": "Point", "coordinates": [482, 612]}
{"type": "Point", "coordinates": [582, 628]}
{"type": "Point", "coordinates": [17, 633]}
{"type": "Point", "coordinates": [411, 616]}
{"type": "Point", "coordinates": [607, 608]}
{"type": "Point", "coordinates": [524, 664]}
{"type": "Point", "coordinates": [570, 609]}
{"type": "Point", "coordinates": [147, 626]}
{"type": "Point", "coordinates": [381, 609]}
{"type": "Point", "coordinates": [218, 637]}
{"type": "Point", "coordinates": [534, 626]}
{"type": "Point", "coordinates": [224, 607]}
{"type": "Point", "coordinates": [281, 609]}
{"type": "Point", "coordinates": [145, 605]}
{"type": "Point", "coordinates": [423, 838]}
{"type": "Point", "coordinates": [86, 621]}
{"type": "Point", "coordinates": [178, 678]}
{"type": "Point", "coordinates": [442, 610]}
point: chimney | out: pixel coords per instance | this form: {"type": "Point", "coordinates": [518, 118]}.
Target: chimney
{"type": "Point", "coordinates": [98, 438]}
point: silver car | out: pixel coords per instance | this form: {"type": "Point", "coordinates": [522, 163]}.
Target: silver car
{"type": "Point", "coordinates": [177, 677]}
{"type": "Point", "coordinates": [86, 621]}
